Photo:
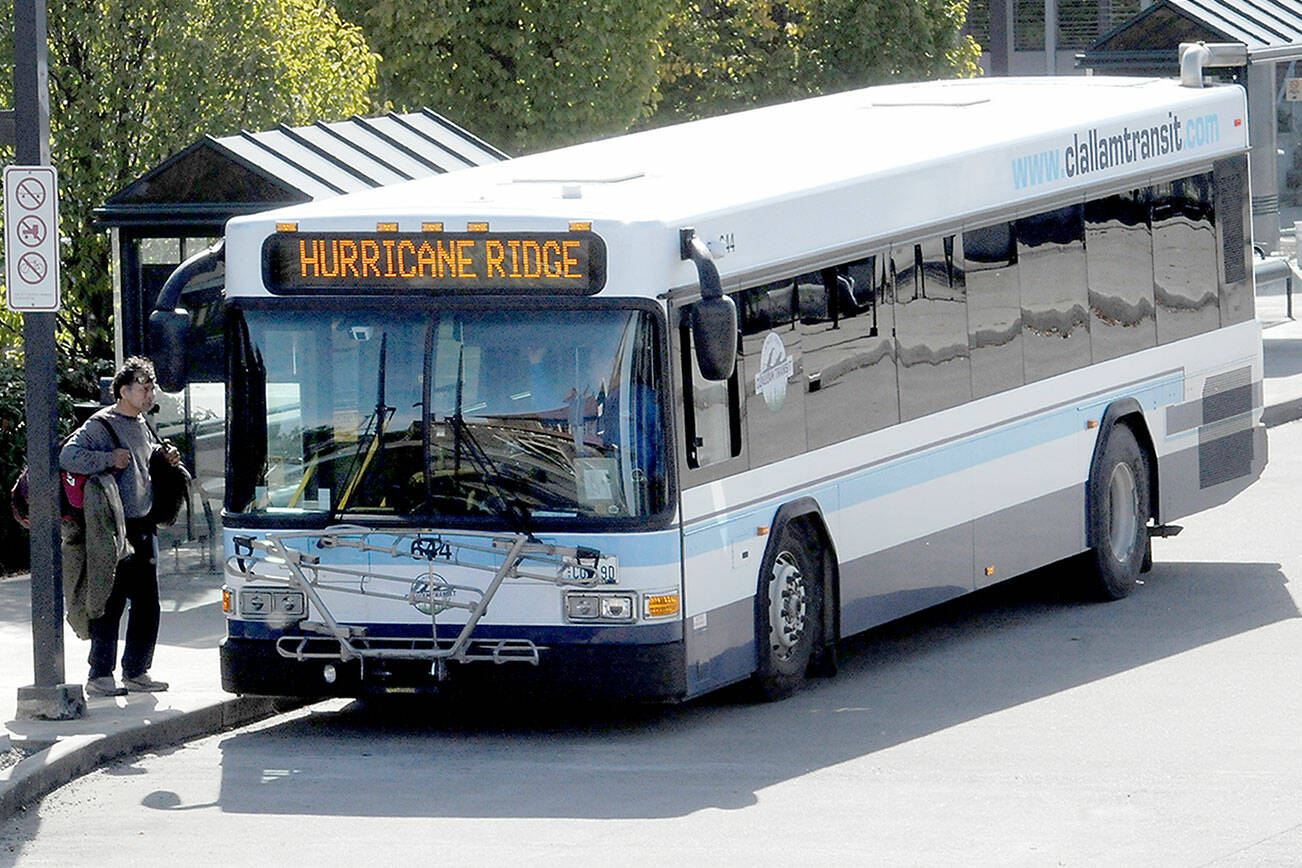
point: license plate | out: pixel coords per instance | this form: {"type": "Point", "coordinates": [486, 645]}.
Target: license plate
{"type": "Point", "coordinates": [607, 570]}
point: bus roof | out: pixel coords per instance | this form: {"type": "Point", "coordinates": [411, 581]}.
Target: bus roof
{"type": "Point", "coordinates": [865, 163]}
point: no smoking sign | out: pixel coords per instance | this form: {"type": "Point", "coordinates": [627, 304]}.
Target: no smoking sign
{"type": "Point", "coordinates": [31, 238]}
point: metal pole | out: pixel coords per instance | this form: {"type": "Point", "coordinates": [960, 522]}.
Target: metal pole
{"type": "Point", "coordinates": [1001, 38]}
{"type": "Point", "coordinates": [1051, 37]}
{"type": "Point", "coordinates": [48, 697]}
{"type": "Point", "coordinates": [1262, 129]}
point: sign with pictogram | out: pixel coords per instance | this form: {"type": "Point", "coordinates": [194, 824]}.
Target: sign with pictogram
{"type": "Point", "coordinates": [31, 238]}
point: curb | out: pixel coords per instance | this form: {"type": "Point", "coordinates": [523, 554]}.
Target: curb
{"type": "Point", "coordinates": [1284, 411]}
{"type": "Point", "coordinates": [67, 759]}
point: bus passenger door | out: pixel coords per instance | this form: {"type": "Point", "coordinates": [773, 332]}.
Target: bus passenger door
{"type": "Point", "coordinates": [719, 571]}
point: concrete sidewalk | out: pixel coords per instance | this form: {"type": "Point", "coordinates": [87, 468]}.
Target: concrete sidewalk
{"type": "Point", "coordinates": [38, 756]}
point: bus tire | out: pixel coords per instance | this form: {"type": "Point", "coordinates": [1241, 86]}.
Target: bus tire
{"type": "Point", "coordinates": [1118, 517]}
{"type": "Point", "coordinates": [789, 615]}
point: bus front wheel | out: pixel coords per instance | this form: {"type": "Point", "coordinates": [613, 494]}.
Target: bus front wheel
{"type": "Point", "coordinates": [789, 615]}
{"type": "Point", "coordinates": [1118, 516]}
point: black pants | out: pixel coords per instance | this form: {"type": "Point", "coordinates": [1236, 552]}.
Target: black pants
{"type": "Point", "coordinates": [136, 581]}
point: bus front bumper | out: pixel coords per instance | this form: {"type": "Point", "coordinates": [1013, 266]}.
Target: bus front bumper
{"type": "Point", "coordinates": [654, 672]}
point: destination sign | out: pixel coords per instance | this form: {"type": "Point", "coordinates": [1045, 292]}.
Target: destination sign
{"type": "Point", "coordinates": [562, 263]}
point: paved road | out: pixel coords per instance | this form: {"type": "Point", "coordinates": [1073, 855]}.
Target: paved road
{"type": "Point", "coordinates": [1018, 727]}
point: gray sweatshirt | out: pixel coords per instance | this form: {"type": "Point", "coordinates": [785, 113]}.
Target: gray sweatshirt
{"type": "Point", "coordinates": [90, 451]}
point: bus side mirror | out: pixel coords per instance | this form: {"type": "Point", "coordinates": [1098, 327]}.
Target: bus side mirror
{"type": "Point", "coordinates": [169, 324]}
{"type": "Point", "coordinates": [168, 334]}
{"type": "Point", "coordinates": [713, 319]}
{"type": "Point", "coordinates": [714, 333]}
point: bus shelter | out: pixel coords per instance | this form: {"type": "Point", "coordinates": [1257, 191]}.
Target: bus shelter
{"type": "Point", "coordinates": [1271, 31]}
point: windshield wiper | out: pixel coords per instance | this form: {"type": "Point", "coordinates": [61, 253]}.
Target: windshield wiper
{"type": "Point", "coordinates": [375, 450]}
{"type": "Point", "coordinates": [505, 508]}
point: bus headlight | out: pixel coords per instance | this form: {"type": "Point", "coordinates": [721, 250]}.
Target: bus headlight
{"type": "Point", "coordinates": [272, 604]}
{"type": "Point", "coordinates": [589, 607]}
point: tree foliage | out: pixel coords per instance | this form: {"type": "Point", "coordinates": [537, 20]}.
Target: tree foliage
{"type": "Point", "coordinates": [523, 74]}
{"type": "Point", "coordinates": [721, 55]}
{"type": "Point", "coordinates": [133, 82]}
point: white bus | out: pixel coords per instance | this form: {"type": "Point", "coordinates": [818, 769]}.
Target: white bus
{"type": "Point", "coordinates": [673, 410]}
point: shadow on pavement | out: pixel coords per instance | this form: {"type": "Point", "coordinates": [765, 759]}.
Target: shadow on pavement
{"type": "Point", "coordinates": [994, 650]}
{"type": "Point", "coordinates": [1284, 358]}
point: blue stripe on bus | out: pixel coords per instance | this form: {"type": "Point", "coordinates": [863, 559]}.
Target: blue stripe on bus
{"type": "Point", "coordinates": [864, 484]}
{"type": "Point", "coordinates": [654, 549]}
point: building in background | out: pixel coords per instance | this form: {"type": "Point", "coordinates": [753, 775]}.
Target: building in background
{"type": "Point", "coordinates": [1015, 40]}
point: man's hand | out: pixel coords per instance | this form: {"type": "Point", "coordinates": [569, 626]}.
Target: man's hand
{"type": "Point", "coordinates": [121, 459]}
{"type": "Point", "coordinates": [173, 454]}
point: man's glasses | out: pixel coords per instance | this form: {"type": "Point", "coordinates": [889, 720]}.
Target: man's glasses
{"type": "Point", "coordinates": [144, 382]}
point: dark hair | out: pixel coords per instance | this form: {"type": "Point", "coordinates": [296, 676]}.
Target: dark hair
{"type": "Point", "coordinates": [130, 370]}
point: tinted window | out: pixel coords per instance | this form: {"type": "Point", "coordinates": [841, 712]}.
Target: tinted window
{"type": "Point", "coordinates": [849, 355]}
{"type": "Point", "coordinates": [1119, 254]}
{"type": "Point", "coordinates": [1184, 259]}
{"type": "Point", "coordinates": [994, 309]}
{"type": "Point", "coordinates": [710, 411]}
{"type": "Point", "coordinates": [931, 328]}
{"type": "Point", "coordinates": [1055, 304]}
{"type": "Point", "coordinates": [772, 364]}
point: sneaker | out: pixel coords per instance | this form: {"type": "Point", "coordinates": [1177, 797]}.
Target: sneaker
{"type": "Point", "coordinates": [142, 683]}
{"type": "Point", "coordinates": [104, 686]}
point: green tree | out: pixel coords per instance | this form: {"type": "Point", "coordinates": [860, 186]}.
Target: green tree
{"type": "Point", "coordinates": [725, 55]}
{"type": "Point", "coordinates": [722, 55]}
{"type": "Point", "coordinates": [862, 42]}
{"type": "Point", "coordinates": [133, 82]}
{"type": "Point", "coordinates": [523, 74]}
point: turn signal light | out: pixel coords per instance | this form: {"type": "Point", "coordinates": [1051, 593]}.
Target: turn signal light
{"type": "Point", "coordinates": [661, 604]}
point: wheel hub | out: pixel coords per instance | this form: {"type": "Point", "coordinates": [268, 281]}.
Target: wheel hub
{"type": "Point", "coordinates": [788, 602]}
{"type": "Point", "coordinates": [1123, 508]}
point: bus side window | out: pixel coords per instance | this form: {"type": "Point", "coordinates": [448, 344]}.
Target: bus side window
{"type": "Point", "coordinates": [711, 410]}
{"type": "Point", "coordinates": [1184, 259]}
{"type": "Point", "coordinates": [931, 328]}
{"type": "Point", "coordinates": [994, 309]}
{"type": "Point", "coordinates": [1055, 292]}
{"type": "Point", "coordinates": [771, 364]}
{"type": "Point", "coordinates": [1119, 256]}
{"type": "Point", "coordinates": [849, 354]}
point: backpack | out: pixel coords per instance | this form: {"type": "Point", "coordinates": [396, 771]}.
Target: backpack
{"type": "Point", "coordinates": [72, 493]}
{"type": "Point", "coordinates": [171, 485]}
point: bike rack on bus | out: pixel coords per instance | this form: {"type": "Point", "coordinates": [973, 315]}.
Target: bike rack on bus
{"type": "Point", "coordinates": [273, 559]}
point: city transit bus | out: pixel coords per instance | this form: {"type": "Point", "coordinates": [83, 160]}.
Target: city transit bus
{"type": "Point", "coordinates": [684, 408]}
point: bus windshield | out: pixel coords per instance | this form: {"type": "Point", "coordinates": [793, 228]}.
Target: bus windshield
{"type": "Point", "coordinates": [524, 416]}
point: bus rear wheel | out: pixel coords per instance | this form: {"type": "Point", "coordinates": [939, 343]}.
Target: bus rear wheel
{"type": "Point", "coordinates": [1118, 517]}
{"type": "Point", "coordinates": [788, 617]}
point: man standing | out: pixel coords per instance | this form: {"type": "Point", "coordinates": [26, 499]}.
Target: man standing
{"type": "Point", "coordinates": [91, 450]}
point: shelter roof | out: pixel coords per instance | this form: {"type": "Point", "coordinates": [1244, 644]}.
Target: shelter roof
{"type": "Point", "coordinates": [219, 177]}
{"type": "Point", "coordinates": [1149, 42]}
